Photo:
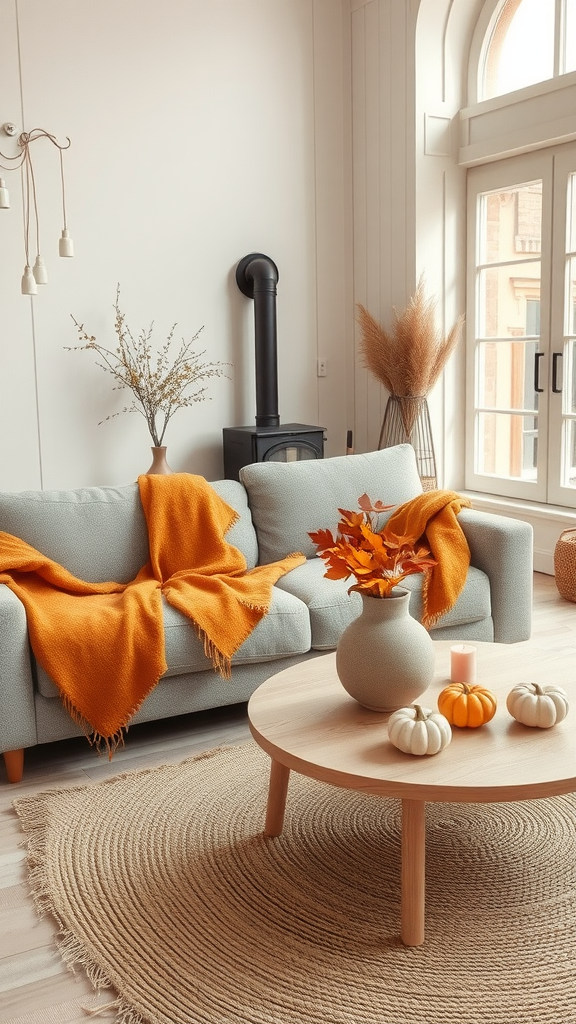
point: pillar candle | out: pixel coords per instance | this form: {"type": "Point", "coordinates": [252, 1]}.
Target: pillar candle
{"type": "Point", "coordinates": [463, 663]}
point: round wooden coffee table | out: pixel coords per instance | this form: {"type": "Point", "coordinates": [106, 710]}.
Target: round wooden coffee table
{"type": "Point", "coordinates": [307, 723]}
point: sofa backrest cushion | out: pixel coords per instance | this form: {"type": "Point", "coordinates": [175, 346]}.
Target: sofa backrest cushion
{"type": "Point", "coordinates": [289, 499]}
{"type": "Point", "coordinates": [99, 533]}
{"type": "Point", "coordinates": [242, 535]}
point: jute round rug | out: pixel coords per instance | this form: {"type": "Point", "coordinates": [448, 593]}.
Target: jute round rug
{"type": "Point", "coordinates": [164, 887]}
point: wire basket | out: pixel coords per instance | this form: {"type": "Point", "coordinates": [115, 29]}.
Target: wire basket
{"type": "Point", "coordinates": [407, 420]}
{"type": "Point", "coordinates": [565, 564]}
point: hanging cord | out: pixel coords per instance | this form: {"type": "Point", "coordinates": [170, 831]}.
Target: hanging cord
{"type": "Point", "coordinates": [29, 190]}
{"type": "Point", "coordinates": [23, 160]}
{"type": "Point", "coordinates": [24, 174]}
{"type": "Point", "coordinates": [33, 180]}
{"type": "Point", "coordinates": [63, 188]}
{"type": "Point", "coordinates": [26, 138]}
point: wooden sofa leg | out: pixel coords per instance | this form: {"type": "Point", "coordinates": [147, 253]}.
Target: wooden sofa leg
{"type": "Point", "coordinates": [14, 761]}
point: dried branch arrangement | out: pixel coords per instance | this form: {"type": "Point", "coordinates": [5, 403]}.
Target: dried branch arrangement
{"type": "Point", "coordinates": [159, 386]}
{"type": "Point", "coordinates": [410, 357]}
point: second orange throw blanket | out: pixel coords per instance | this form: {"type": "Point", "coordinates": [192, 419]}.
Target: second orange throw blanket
{"type": "Point", "coordinates": [103, 643]}
{"type": "Point", "coordinates": [431, 519]}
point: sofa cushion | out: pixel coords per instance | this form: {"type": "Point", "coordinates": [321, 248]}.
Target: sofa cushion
{"type": "Point", "coordinates": [242, 535]}
{"type": "Point", "coordinates": [99, 533]}
{"type": "Point", "coordinates": [282, 633]}
{"type": "Point", "coordinates": [289, 499]}
{"type": "Point", "coordinates": [332, 608]}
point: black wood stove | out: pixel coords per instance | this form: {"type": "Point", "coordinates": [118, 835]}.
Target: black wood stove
{"type": "Point", "coordinates": [268, 440]}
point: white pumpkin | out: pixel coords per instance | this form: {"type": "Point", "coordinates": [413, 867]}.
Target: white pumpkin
{"type": "Point", "coordinates": [536, 705]}
{"type": "Point", "coordinates": [418, 730]}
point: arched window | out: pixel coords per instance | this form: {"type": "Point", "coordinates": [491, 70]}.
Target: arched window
{"type": "Point", "coordinates": [529, 41]}
{"type": "Point", "coordinates": [520, 148]}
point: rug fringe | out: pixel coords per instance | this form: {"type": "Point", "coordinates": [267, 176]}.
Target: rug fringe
{"type": "Point", "coordinates": [97, 1011]}
{"type": "Point", "coordinates": [124, 1014]}
{"type": "Point", "coordinates": [32, 812]}
{"type": "Point", "coordinates": [28, 807]}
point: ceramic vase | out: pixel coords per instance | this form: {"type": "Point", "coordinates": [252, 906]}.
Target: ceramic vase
{"type": "Point", "coordinates": [385, 657]}
{"type": "Point", "coordinates": [159, 464]}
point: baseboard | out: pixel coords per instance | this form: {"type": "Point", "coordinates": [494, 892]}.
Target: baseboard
{"type": "Point", "coordinates": [544, 562]}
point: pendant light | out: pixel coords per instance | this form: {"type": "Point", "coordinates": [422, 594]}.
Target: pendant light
{"type": "Point", "coordinates": [65, 244]}
{"type": "Point", "coordinates": [39, 271]}
{"type": "Point", "coordinates": [28, 281]}
{"type": "Point", "coordinates": [38, 274]}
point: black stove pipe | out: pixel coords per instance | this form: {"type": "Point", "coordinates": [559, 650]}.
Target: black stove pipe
{"type": "Point", "coordinates": [257, 277]}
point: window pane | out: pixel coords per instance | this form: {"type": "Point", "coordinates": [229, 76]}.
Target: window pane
{"type": "Point", "coordinates": [570, 327]}
{"type": "Point", "coordinates": [521, 49]}
{"type": "Point", "coordinates": [507, 445]}
{"type": "Point", "coordinates": [570, 384]}
{"type": "Point", "coordinates": [506, 375]}
{"type": "Point", "coordinates": [507, 300]}
{"type": "Point", "coordinates": [511, 223]}
{"type": "Point", "coordinates": [570, 37]}
{"type": "Point", "coordinates": [572, 213]}
{"type": "Point", "coordinates": [570, 455]}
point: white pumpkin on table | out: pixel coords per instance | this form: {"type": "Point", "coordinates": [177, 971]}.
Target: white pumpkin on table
{"type": "Point", "coordinates": [418, 730]}
{"type": "Point", "coordinates": [537, 706]}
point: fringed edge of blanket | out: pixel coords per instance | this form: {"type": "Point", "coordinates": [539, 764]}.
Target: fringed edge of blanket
{"type": "Point", "coordinates": [430, 620]}
{"type": "Point", "coordinates": [221, 662]}
{"type": "Point", "coordinates": [97, 740]}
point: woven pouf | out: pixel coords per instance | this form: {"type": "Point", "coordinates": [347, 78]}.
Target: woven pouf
{"type": "Point", "coordinates": [565, 564]}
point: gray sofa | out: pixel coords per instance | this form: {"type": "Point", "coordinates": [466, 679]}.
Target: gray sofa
{"type": "Point", "coordinates": [99, 533]}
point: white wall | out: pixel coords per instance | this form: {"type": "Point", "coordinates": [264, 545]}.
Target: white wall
{"type": "Point", "coordinates": [200, 132]}
{"type": "Point", "coordinates": [383, 133]}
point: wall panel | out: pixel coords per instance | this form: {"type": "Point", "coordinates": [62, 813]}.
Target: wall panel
{"type": "Point", "coordinates": [193, 143]}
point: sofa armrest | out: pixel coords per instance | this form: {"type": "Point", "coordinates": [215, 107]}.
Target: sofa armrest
{"type": "Point", "coordinates": [503, 548]}
{"type": "Point", "coordinates": [17, 712]}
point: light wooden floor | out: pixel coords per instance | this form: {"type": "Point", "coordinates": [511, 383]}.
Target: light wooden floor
{"type": "Point", "coordinates": [35, 987]}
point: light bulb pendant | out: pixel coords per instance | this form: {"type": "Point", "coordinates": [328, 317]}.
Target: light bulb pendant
{"type": "Point", "coordinates": [4, 196]}
{"type": "Point", "coordinates": [28, 282]}
{"type": "Point", "coordinates": [66, 245]}
{"type": "Point", "coordinates": [39, 271]}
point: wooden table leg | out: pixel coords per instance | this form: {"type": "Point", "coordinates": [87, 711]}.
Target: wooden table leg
{"type": "Point", "coordinates": [413, 871]}
{"type": "Point", "coordinates": [277, 791]}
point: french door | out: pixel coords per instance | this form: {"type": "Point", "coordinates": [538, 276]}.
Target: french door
{"type": "Point", "coordinates": [521, 327]}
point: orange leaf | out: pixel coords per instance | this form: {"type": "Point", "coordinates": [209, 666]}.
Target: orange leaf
{"type": "Point", "coordinates": [367, 505]}
{"type": "Point", "coordinates": [322, 539]}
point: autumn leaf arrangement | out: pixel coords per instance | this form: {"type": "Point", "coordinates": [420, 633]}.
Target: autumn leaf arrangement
{"type": "Point", "coordinates": [376, 558]}
{"type": "Point", "coordinates": [160, 384]}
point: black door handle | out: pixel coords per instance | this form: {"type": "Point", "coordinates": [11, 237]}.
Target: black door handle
{"type": "Point", "coordinates": [537, 358]}
{"type": "Point", "coordinates": [556, 356]}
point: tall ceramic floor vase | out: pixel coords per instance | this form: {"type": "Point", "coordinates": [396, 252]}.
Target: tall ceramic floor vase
{"type": "Point", "coordinates": [159, 464]}
{"type": "Point", "coordinates": [385, 657]}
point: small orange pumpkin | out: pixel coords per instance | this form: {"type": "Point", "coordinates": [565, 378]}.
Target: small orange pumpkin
{"type": "Point", "coordinates": [467, 705]}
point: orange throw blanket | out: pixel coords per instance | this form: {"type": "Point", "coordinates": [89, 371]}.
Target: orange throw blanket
{"type": "Point", "coordinates": [431, 519]}
{"type": "Point", "coordinates": [103, 643]}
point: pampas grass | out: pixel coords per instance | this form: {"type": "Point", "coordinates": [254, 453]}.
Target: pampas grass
{"type": "Point", "coordinates": [410, 357]}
